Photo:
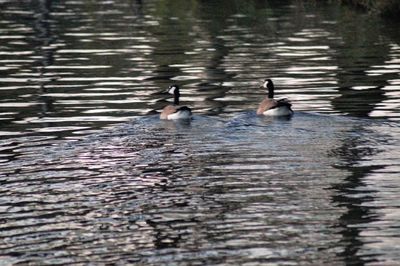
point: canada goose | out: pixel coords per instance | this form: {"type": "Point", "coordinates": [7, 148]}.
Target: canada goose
{"type": "Point", "coordinates": [271, 107]}
{"type": "Point", "coordinates": [174, 111]}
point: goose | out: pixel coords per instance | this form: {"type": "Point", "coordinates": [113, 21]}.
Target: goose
{"type": "Point", "coordinates": [174, 111]}
{"type": "Point", "coordinates": [271, 107]}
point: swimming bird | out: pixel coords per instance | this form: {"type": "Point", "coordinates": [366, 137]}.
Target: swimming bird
{"type": "Point", "coordinates": [271, 107]}
{"type": "Point", "coordinates": [172, 112]}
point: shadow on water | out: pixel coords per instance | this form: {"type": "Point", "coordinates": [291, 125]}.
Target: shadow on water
{"type": "Point", "coordinates": [359, 103]}
{"type": "Point", "coordinates": [353, 194]}
{"type": "Point", "coordinates": [359, 95]}
{"type": "Point", "coordinates": [361, 91]}
{"type": "Point", "coordinates": [44, 39]}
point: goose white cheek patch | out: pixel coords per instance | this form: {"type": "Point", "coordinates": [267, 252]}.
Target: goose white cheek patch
{"type": "Point", "coordinates": [172, 90]}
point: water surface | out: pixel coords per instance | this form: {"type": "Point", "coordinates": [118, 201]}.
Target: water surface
{"type": "Point", "coordinates": [89, 174]}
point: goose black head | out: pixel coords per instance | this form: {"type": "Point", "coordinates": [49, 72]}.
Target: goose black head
{"type": "Point", "coordinates": [270, 86]}
{"type": "Point", "coordinates": [174, 90]}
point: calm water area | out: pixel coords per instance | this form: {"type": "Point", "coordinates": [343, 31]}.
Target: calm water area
{"type": "Point", "coordinates": [89, 174]}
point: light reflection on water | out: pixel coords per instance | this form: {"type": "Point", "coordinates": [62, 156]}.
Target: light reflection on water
{"type": "Point", "coordinates": [234, 190]}
{"type": "Point", "coordinates": [227, 188]}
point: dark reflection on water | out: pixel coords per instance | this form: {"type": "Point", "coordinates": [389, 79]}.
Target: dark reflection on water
{"type": "Point", "coordinates": [44, 39]}
{"type": "Point", "coordinates": [68, 68]}
{"type": "Point", "coordinates": [353, 193]}
{"type": "Point", "coordinates": [226, 188]}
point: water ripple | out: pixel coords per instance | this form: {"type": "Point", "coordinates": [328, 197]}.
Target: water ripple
{"type": "Point", "coordinates": [174, 188]}
{"type": "Point", "coordinates": [229, 188]}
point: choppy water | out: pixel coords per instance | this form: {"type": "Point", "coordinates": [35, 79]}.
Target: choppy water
{"type": "Point", "coordinates": [227, 188]}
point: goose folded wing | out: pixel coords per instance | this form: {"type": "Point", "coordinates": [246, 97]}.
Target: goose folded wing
{"type": "Point", "coordinates": [283, 102]}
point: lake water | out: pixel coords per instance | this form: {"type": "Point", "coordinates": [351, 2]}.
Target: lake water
{"type": "Point", "coordinates": [89, 174]}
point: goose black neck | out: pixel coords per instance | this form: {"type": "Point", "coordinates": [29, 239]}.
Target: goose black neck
{"type": "Point", "coordinates": [270, 87]}
{"type": "Point", "coordinates": [176, 98]}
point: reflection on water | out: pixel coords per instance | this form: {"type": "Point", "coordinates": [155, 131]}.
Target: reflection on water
{"type": "Point", "coordinates": [353, 193]}
{"type": "Point", "coordinates": [225, 188]}
{"type": "Point", "coordinates": [234, 190]}
{"type": "Point", "coordinates": [64, 62]}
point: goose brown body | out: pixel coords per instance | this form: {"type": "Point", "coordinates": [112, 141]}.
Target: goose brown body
{"type": "Point", "coordinates": [168, 110]}
{"type": "Point", "coordinates": [270, 104]}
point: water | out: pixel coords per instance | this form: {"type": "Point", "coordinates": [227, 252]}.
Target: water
{"type": "Point", "coordinates": [89, 174]}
